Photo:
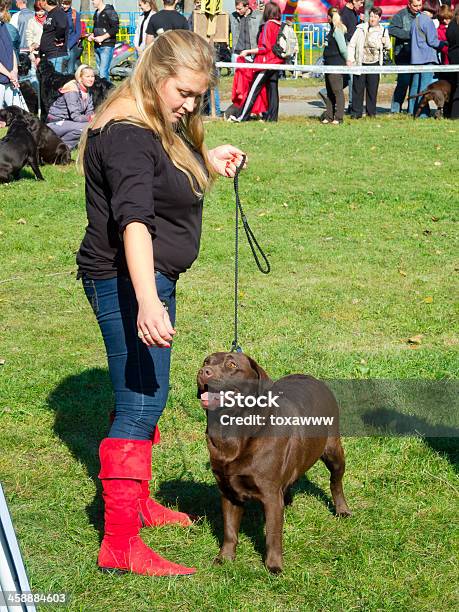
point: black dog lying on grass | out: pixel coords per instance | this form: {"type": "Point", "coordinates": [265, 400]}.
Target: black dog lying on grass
{"type": "Point", "coordinates": [18, 149]}
{"type": "Point", "coordinates": [51, 81]}
{"type": "Point", "coordinates": [51, 149]}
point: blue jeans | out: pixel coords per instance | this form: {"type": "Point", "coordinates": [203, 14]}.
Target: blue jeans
{"type": "Point", "coordinates": [73, 59]}
{"type": "Point", "coordinates": [104, 56]}
{"type": "Point", "coordinates": [400, 91]}
{"type": "Point", "coordinates": [59, 62]}
{"type": "Point", "coordinates": [139, 375]}
{"type": "Point", "coordinates": [419, 83]}
{"type": "Point", "coordinates": [348, 81]}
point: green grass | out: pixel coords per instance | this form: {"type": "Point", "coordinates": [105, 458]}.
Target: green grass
{"type": "Point", "coordinates": [360, 224]}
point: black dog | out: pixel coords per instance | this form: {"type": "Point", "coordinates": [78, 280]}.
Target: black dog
{"type": "Point", "coordinates": [51, 81]}
{"type": "Point", "coordinates": [51, 149]}
{"type": "Point", "coordinates": [27, 90]}
{"type": "Point", "coordinates": [17, 149]}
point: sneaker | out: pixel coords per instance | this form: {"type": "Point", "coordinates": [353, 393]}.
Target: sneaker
{"type": "Point", "coordinates": [233, 119]}
{"type": "Point", "coordinates": [324, 121]}
{"type": "Point", "coordinates": [337, 121]}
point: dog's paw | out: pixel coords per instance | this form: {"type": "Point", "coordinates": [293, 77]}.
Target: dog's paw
{"type": "Point", "coordinates": [220, 560]}
{"type": "Point", "coordinates": [274, 569]}
{"type": "Point", "coordinates": [343, 513]}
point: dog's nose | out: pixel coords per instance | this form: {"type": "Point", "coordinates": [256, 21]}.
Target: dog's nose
{"type": "Point", "coordinates": [206, 373]}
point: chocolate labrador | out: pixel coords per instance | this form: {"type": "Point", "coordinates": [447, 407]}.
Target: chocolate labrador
{"type": "Point", "coordinates": [437, 92]}
{"type": "Point", "coordinates": [262, 436]}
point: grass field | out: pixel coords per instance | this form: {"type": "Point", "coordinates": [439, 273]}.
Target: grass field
{"type": "Point", "coordinates": [360, 224]}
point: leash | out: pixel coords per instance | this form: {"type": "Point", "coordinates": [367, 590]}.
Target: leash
{"type": "Point", "coordinates": [255, 247]}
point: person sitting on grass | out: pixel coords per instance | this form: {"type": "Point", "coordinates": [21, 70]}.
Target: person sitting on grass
{"type": "Point", "coordinates": [70, 114]}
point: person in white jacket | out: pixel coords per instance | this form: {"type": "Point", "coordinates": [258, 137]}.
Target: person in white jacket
{"type": "Point", "coordinates": [366, 48]}
{"type": "Point", "coordinates": [35, 28]}
{"type": "Point", "coordinates": [148, 8]}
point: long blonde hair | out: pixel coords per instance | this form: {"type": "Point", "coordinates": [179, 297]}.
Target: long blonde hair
{"type": "Point", "coordinates": [333, 13]}
{"type": "Point", "coordinates": [161, 60]}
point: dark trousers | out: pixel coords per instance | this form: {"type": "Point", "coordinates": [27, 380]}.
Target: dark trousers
{"type": "Point", "coordinates": [335, 97]}
{"type": "Point", "coordinates": [453, 106]}
{"type": "Point", "coordinates": [269, 78]}
{"type": "Point", "coordinates": [139, 375]}
{"type": "Point", "coordinates": [365, 84]}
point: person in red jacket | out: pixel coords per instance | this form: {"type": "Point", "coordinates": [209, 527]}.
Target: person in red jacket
{"type": "Point", "coordinates": [445, 14]}
{"type": "Point", "coordinates": [264, 55]}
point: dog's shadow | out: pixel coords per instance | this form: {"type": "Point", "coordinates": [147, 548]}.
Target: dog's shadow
{"type": "Point", "coordinates": [203, 501]}
{"type": "Point", "coordinates": [82, 403]}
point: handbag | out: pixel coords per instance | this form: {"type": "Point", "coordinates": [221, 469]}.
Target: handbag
{"type": "Point", "coordinates": [18, 100]}
{"type": "Point", "coordinates": [387, 59]}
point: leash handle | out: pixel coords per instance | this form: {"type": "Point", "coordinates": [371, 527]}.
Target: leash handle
{"type": "Point", "coordinates": [255, 247]}
{"type": "Point", "coordinates": [253, 242]}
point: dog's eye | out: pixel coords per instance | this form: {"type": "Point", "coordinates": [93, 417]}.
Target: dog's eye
{"type": "Point", "coordinates": [231, 364]}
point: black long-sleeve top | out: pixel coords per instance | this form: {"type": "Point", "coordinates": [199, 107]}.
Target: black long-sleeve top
{"type": "Point", "coordinates": [53, 42]}
{"type": "Point", "coordinates": [452, 36]}
{"type": "Point", "coordinates": [129, 177]}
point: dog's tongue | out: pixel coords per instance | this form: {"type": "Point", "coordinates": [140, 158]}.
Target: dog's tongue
{"type": "Point", "coordinates": [204, 399]}
{"type": "Point", "coordinates": [2, 124]}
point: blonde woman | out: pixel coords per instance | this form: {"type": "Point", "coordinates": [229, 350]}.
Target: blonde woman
{"type": "Point", "coordinates": [335, 54]}
{"type": "Point", "coordinates": [70, 114]}
{"type": "Point", "coordinates": [366, 48]}
{"type": "Point", "coordinates": [147, 169]}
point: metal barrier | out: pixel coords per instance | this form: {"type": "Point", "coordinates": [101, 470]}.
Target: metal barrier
{"type": "Point", "coordinates": [311, 36]}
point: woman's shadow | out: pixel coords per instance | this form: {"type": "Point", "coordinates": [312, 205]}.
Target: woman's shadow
{"type": "Point", "coordinates": [82, 404]}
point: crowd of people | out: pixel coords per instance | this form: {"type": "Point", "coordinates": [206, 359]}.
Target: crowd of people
{"type": "Point", "coordinates": [425, 32]}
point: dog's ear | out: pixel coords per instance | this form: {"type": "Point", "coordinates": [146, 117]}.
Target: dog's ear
{"type": "Point", "coordinates": [262, 375]}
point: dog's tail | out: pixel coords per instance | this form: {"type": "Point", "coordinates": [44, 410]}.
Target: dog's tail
{"type": "Point", "coordinates": [421, 93]}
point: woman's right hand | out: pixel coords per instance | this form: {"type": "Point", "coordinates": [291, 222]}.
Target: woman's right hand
{"type": "Point", "coordinates": [154, 325]}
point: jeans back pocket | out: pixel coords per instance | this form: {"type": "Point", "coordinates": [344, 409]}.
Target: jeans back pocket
{"type": "Point", "coordinates": [91, 293]}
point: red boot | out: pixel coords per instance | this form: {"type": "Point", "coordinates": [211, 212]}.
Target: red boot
{"type": "Point", "coordinates": [124, 464]}
{"type": "Point", "coordinates": [153, 514]}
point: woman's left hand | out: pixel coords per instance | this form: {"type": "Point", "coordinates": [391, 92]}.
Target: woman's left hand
{"type": "Point", "coordinates": [225, 159]}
